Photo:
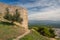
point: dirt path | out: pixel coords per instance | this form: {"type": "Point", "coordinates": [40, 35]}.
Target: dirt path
{"type": "Point", "coordinates": [22, 35]}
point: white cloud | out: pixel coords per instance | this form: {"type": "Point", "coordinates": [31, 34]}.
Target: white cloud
{"type": "Point", "coordinates": [52, 12]}
{"type": "Point", "coordinates": [47, 15]}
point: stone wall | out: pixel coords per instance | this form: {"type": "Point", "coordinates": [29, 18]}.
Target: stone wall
{"type": "Point", "coordinates": [22, 11]}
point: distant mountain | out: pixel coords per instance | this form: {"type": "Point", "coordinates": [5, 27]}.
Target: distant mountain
{"type": "Point", "coordinates": [45, 22]}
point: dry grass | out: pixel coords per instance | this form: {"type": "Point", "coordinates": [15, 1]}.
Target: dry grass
{"type": "Point", "coordinates": [8, 31]}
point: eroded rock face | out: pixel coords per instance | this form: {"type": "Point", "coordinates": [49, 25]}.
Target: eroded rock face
{"type": "Point", "coordinates": [22, 11]}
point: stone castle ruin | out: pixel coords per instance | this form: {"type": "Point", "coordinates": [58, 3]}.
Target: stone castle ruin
{"type": "Point", "coordinates": [22, 11]}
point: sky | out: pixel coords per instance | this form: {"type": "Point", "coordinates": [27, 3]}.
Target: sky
{"type": "Point", "coordinates": [39, 9]}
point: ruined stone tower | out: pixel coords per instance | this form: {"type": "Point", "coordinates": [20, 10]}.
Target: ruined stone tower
{"type": "Point", "coordinates": [22, 11]}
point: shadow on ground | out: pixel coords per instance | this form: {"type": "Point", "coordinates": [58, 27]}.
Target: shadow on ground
{"type": "Point", "coordinates": [6, 23]}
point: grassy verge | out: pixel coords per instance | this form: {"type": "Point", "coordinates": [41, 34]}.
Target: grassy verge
{"type": "Point", "coordinates": [34, 35]}
{"type": "Point", "coordinates": [8, 31]}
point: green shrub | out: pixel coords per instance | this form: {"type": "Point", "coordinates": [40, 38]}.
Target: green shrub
{"type": "Point", "coordinates": [13, 18]}
{"type": "Point", "coordinates": [36, 28]}
{"type": "Point", "coordinates": [45, 31]}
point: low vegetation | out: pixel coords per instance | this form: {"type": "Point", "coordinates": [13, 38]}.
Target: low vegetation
{"type": "Point", "coordinates": [44, 30]}
{"type": "Point", "coordinates": [9, 31]}
{"type": "Point", "coordinates": [34, 35]}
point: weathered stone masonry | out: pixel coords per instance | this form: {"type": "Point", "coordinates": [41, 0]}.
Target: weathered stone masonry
{"type": "Point", "coordinates": [22, 11]}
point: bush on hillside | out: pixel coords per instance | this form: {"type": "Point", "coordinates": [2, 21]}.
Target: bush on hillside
{"type": "Point", "coordinates": [45, 31]}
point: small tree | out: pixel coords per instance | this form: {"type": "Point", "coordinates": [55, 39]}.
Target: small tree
{"type": "Point", "coordinates": [17, 16]}
{"type": "Point", "coordinates": [13, 18]}
{"type": "Point", "coordinates": [52, 32]}
{"type": "Point", "coordinates": [7, 15]}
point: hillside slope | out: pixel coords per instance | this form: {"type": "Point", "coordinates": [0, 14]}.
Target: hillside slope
{"type": "Point", "coordinates": [33, 35]}
{"type": "Point", "coordinates": [9, 31]}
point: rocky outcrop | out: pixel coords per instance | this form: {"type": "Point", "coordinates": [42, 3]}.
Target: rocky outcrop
{"type": "Point", "coordinates": [22, 11]}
